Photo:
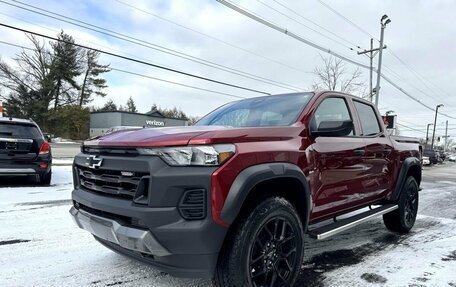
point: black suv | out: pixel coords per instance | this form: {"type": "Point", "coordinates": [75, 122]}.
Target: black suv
{"type": "Point", "coordinates": [23, 150]}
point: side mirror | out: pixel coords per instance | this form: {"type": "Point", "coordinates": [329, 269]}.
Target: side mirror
{"type": "Point", "coordinates": [333, 129]}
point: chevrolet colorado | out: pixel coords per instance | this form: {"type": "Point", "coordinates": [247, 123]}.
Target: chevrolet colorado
{"type": "Point", "coordinates": [232, 197]}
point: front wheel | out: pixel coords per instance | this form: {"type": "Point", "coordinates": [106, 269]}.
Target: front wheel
{"type": "Point", "coordinates": [264, 249]}
{"type": "Point", "coordinates": [402, 219]}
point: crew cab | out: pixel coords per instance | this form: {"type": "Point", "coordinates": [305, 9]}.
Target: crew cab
{"type": "Point", "coordinates": [24, 150]}
{"type": "Point", "coordinates": [232, 197]}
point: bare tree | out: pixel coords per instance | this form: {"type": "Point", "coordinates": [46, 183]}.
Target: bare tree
{"type": "Point", "coordinates": [333, 75]}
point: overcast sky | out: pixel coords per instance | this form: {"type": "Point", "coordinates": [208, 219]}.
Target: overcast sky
{"type": "Point", "coordinates": [422, 34]}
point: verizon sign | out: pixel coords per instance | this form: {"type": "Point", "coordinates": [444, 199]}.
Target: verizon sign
{"type": "Point", "coordinates": [155, 123]}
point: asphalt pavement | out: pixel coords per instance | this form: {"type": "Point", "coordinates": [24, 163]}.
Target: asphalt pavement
{"type": "Point", "coordinates": [41, 246]}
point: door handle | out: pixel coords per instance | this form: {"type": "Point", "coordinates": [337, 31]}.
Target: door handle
{"type": "Point", "coordinates": [359, 152]}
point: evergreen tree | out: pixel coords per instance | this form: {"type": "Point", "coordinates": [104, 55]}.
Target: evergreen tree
{"type": "Point", "coordinates": [66, 67]}
{"type": "Point", "coordinates": [110, 106]}
{"type": "Point", "coordinates": [131, 107]}
{"type": "Point", "coordinates": [92, 83]}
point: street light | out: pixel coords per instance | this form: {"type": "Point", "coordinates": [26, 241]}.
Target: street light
{"type": "Point", "coordinates": [427, 132]}
{"type": "Point", "coordinates": [435, 122]}
{"type": "Point", "coordinates": [380, 54]}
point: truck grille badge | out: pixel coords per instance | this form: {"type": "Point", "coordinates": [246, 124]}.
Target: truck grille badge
{"type": "Point", "coordinates": [93, 161]}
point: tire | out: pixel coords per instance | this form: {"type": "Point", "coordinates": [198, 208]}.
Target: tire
{"type": "Point", "coordinates": [265, 247]}
{"type": "Point", "coordinates": [45, 179]}
{"type": "Point", "coordinates": [402, 219]}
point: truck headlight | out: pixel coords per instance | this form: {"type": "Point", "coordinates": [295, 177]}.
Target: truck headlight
{"type": "Point", "coordinates": [204, 155]}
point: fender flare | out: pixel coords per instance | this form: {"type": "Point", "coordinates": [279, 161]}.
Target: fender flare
{"type": "Point", "coordinates": [253, 175]}
{"type": "Point", "coordinates": [402, 177]}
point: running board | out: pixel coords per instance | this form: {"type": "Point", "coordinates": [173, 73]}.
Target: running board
{"type": "Point", "coordinates": [347, 223]}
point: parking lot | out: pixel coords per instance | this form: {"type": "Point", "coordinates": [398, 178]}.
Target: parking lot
{"type": "Point", "coordinates": [41, 246]}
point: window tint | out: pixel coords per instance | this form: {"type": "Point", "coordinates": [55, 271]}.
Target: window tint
{"type": "Point", "coordinates": [280, 110]}
{"type": "Point", "coordinates": [368, 118]}
{"type": "Point", "coordinates": [19, 131]}
{"type": "Point", "coordinates": [331, 109]}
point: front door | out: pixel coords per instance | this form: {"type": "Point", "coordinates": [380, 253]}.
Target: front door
{"type": "Point", "coordinates": [338, 162]}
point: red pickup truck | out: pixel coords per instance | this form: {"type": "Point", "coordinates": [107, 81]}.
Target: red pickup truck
{"type": "Point", "coordinates": [232, 197]}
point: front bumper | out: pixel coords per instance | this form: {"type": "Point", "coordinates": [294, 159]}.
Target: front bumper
{"type": "Point", "coordinates": [130, 238]}
{"type": "Point", "coordinates": [152, 230]}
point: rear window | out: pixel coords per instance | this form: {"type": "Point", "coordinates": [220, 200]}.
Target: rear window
{"type": "Point", "coordinates": [280, 110]}
{"type": "Point", "coordinates": [15, 130]}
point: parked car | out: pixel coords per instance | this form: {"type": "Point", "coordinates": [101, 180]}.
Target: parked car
{"type": "Point", "coordinates": [452, 157]}
{"type": "Point", "coordinates": [23, 150]}
{"type": "Point", "coordinates": [425, 160]}
{"type": "Point", "coordinates": [432, 155]}
{"type": "Point", "coordinates": [232, 196]}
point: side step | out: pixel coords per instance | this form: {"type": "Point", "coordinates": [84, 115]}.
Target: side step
{"type": "Point", "coordinates": [347, 223]}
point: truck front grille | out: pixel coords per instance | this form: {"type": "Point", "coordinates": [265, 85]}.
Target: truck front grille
{"type": "Point", "coordinates": [109, 182]}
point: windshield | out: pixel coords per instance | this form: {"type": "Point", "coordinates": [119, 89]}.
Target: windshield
{"type": "Point", "coordinates": [280, 110]}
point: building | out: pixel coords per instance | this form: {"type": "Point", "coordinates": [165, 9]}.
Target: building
{"type": "Point", "coordinates": [102, 122]}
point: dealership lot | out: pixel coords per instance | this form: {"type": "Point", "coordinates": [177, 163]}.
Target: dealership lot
{"type": "Point", "coordinates": [41, 246]}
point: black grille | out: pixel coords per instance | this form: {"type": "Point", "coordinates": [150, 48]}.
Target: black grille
{"type": "Point", "coordinates": [109, 182]}
{"type": "Point", "coordinates": [193, 204]}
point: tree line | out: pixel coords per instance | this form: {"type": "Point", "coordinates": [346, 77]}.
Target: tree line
{"type": "Point", "coordinates": [52, 83]}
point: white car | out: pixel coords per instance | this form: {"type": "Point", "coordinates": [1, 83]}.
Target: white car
{"type": "Point", "coordinates": [426, 160]}
{"type": "Point", "coordinates": [452, 157]}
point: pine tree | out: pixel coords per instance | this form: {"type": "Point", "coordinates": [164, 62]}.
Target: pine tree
{"type": "Point", "coordinates": [65, 66]}
{"type": "Point", "coordinates": [92, 83]}
{"type": "Point", "coordinates": [110, 106]}
{"type": "Point", "coordinates": [131, 107]}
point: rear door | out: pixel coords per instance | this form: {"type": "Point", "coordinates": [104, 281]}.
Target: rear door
{"type": "Point", "coordinates": [338, 161]}
{"type": "Point", "coordinates": [19, 142]}
{"type": "Point", "coordinates": [379, 157]}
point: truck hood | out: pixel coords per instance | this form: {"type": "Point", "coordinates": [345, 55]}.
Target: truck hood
{"type": "Point", "coordinates": [180, 136]}
{"type": "Point", "coordinates": [169, 136]}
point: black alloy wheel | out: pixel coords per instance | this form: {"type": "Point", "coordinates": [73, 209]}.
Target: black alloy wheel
{"type": "Point", "coordinates": [273, 254]}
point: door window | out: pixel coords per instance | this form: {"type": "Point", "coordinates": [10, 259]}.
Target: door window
{"type": "Point", "coordinates": [368, 118]}
{"type": "Point", "coordinates": [331, 109]}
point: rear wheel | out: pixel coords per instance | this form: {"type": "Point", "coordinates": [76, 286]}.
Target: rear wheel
{"type": "Point", "coordinates": [402, 219]}
{"type": "Point", "coordinates": [265, 248]}
{"type": "Point", "coordinates": [46, 178]}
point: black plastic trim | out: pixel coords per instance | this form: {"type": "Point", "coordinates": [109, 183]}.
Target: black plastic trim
{"type": "Point", "coordinates": [406, 165]}
{"type": "Point", "coordinates": [251, 176]}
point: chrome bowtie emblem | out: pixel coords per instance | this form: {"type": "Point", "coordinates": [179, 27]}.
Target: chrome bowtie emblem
{"type": "Point", "coordinates": [93, 161]}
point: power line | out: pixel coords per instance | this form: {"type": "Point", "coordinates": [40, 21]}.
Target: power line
{"type": "Point", "coordinates": [149, 45]}
{"type": "Point", "coordinates": [316, 24]}
{"type": "Point", "coordinates": [346, 19]}
{"type": "Point", "coordinates": [285, 31]}
{"type": "Point", "coordinates": [176, 83]}
{"type": "Point", "coordinates": [421, 78]}
{"type": "Point", "coordinates": [139, 74]}
{"type": "Point", "coordinates": [212, 37]}
{"type": "Point", "coordinates": [413, 129]}
{"type": "Point", "coordinates": [304, 25]}
{"type": "Point", "coordinates": [136, 60]}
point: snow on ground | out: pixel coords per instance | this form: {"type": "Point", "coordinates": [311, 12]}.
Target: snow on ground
{"type": "Point", "coordinates": [41, 246]}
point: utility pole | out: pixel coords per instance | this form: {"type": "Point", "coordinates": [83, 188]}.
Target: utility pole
{"type": "Point", "coordinates": [371, 66]}
{"type": "Point", "coordinates": [435, 123]}
{"type": "Point", "coordinates": [427, 134]}
{"type": "Point", "coordinates": [383, 23]}
{"type": "Point", "coordinates": [446, 137]}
